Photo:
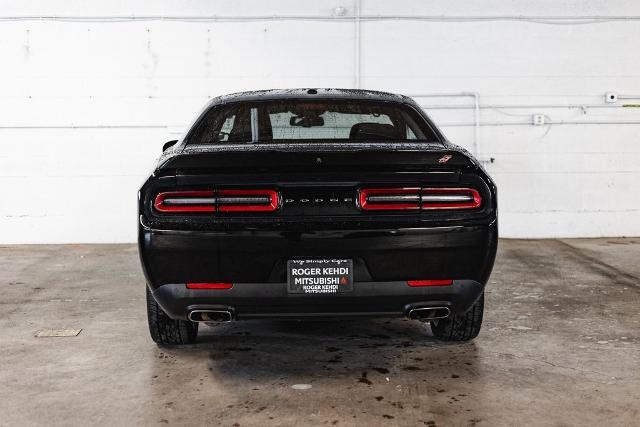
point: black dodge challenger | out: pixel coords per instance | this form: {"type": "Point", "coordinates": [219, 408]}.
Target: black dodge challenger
{"type": "Point", "coordinates": [323, 203]}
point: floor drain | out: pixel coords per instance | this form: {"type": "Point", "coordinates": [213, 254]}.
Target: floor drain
{"type": "Point", "coordinates": [301, 386]}
{"type": "Point", "coordinates": [42, 333]}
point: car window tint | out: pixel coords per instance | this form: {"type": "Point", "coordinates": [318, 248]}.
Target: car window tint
{"type": "Point", "coordinates": [323, 120]}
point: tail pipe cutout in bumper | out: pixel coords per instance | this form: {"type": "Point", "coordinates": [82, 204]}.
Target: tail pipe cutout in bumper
{"type": "Point", "coordinates": [210, 315]}
{"type": "Point", "coordinates": [428, 313]}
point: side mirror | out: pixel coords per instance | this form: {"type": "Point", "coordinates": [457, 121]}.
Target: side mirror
{"type": "Point", "coordinates": [169, 144]}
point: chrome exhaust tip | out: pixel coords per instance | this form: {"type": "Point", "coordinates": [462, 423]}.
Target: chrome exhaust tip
{"type": "Point", "coordinates": [210, 316]}
{"type": "Point", "coordinates": [428, 313]}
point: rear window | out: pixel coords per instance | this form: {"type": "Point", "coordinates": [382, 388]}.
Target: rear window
{"type": "Point", "coordinates": [307, 121]}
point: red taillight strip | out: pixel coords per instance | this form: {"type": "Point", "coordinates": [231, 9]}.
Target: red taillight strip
{"type": "Point", "coordinates": [439, 282]}
{"type": "Point", "coordinates": [217, 201]}
{"type": "Point", "coordinates": [397, 203]}
{"type": "Point", "coordinates": [243, 202]}
{"type": "Point", "coordinates": [190, 201]}
{"type": "Point", "coordinates": [210, 285]}
{"type": "Point", "coordinates": [413, 198]}
{"type": "Point", "coordinates": [439, 198]}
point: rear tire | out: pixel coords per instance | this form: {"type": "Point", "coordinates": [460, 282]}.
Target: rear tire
{"type": "Point", "coordinates": [168, 331]}
{"type": "Point", "coordinates": [460, 327]}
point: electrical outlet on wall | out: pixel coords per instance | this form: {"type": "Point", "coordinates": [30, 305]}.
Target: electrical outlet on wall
{"type": "Point", "coordinates": [537, 119]}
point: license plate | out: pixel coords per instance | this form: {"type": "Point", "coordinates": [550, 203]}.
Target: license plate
{"type": "Point", "coordinates": [319, 276]}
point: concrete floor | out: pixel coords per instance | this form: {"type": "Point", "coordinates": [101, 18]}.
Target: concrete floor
{"type": "Point", "coordinates": [560, 346]}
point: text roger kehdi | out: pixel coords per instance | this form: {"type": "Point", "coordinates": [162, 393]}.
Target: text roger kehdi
{"type": "Point", "coordinates": [324, 271]}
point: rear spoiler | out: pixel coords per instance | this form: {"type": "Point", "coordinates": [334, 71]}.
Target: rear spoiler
{"type": "Point", "coordinates": [334, 156]}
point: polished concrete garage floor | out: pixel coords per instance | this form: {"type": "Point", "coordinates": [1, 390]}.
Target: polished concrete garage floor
{"type": "Point", "coordinates": [560, 346]}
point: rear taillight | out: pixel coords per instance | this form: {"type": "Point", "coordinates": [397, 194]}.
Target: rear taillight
{"type": "Point", "coordinates": [217, 201]}
{"type": "Point", "coordinates": [430, 282]}
{"type": "Point", "coordinates": [186, 201]}
{"type": "Point", "coordinates": [413, 198]}
{"type": "Point", "coordinates": [375, 199]}
{"type": "Point", "coordinates": [247, 200]}
{"type": "Point", "coordinates": [450, 198]}
{"type": "Point", "coordinates": [210, 285]}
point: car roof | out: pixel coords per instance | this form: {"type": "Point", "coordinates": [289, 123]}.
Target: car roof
{"type": "Point", "coordinates": [311, 93]}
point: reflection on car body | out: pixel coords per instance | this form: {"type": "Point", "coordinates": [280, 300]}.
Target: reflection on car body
{"type": "Point", "coordinates": [240, 216]}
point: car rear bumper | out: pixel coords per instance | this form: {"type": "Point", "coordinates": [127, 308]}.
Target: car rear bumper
{"type": "Point", "coordinates": [380, 253]}
{"type": "Point", "coordinates": [271, 300]}
{"type": "Point", "coordinates": [254, 260]}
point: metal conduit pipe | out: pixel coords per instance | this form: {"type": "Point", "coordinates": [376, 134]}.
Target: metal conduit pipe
{"type": "Point", "coordinates": [536, 19]}
{"type": "Point", "coordinates": [477, 149]}
{"type": "Point", "coordinates": [358, 4]}
{"type": "Point", "coordinates": [554, 122]}
{"type": "Point", "coordinates": [521, 106]}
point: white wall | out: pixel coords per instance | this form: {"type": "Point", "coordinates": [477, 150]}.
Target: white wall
{"type": "Point", "coordinates": [87, 99]}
